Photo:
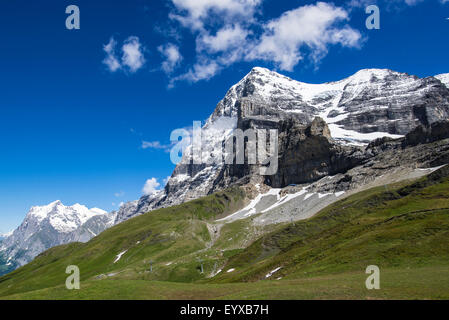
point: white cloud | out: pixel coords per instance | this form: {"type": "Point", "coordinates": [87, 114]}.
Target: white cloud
{"type": "Point", "coordinates": [172, 57]}
{"type": "Point", "coordinates": [111, 61]}
{"type": "Point", "coordinates": [236, 35]}
{"type": "Point", "coordinates": [229, 19]}
{"type": "Point", "coordinates": [226, 38]}
{"type": "Point", "coordinates": [151, 186]}
{"type": "Point", "coordinates": [156, 145]}
{"type": "Point", "coordinates": [227, 43]}
{"type": "Point", "coordinates": [203, 70]}
{"type": "Point", "coordinates": [314, 27]}
{"type": "Point", "coordinates": [132, 55]}
{"type": "Point", "coordinates": [194, 14]}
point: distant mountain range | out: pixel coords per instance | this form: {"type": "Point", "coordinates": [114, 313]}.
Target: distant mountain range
{"type": "Point", "coordinates": [331, 124]}
{"type": "Point", "coordinates": [48, 226]}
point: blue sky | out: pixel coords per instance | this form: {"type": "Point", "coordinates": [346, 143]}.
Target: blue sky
{"type": "Point", "coordinates": [77, 105]}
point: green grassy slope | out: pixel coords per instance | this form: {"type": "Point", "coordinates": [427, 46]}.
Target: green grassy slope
{"type": "Point", "coordinates": [161, 236]}
{"type": "Point", "coordinates": [396, 283]}
{"type": "Point", "coordinates": [404, 225]}
{"type": "Point", "coordinates": [402, 228]}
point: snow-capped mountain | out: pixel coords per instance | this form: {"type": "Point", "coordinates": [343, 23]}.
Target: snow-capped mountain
{"type": "Point", "coordinates": [323, 130]}
{"type": "Point", "coordinates": [444, 78]}
{"type": "Point", "coordinates": [51, 225]}
{"type": "Point", "coordinates": [5, 235]}
{"type": "Point", "coordinates": [370, 104]}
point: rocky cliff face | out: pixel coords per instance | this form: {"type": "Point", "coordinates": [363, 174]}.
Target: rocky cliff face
{"type": "Point", "coordinates": [308, 153]}
{"type": "Point", "coordinates": [355, 111]}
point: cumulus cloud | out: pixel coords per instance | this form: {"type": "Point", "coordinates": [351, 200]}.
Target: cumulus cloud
{"type": "Point", "coordinates": [314, 27]}
{"type": "Point", "coordinates": [172, 57]}
{"type": "Point", "coordinates": [203, 70]}
{"type": "Point", "coordinates": [132, 56]}
{"type": "Point", "coordinates": [226, 38]}
{"type": "Point", "coordinates": [307, 31]}
{"type": "Point", "coordinates": [232, 31]}
{"type": "Point", "coordinates": [219, 26]}
{"type": "Point", "coordinates": [111, 60]}
{"type": "Point", "coordinates": [194, 14]}
{"type": "Point", "coordinates": [151, 187]}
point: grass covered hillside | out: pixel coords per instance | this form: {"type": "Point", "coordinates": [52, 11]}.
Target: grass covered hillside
{"type": "Point", "coordinates": [402, 228]}
{"type": "Point", "coordinates": [405, 225]}
{"type": "Point", "coordinates": [161, 236]}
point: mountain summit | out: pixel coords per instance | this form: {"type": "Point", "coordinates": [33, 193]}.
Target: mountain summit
{"type": "Point", "coordinates": [61, 218]}
{"type": "Point", "coordinates": [51, 225]}
{"type": "Point", "coordinates": [371, 104]}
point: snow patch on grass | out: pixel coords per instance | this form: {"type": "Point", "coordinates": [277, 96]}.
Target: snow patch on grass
{"type": "Point", "coordinates": [272, 272]}
{"type": "Point", "coordinates": [119, 256]}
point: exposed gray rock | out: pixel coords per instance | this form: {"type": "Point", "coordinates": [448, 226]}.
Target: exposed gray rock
{"type": "Point", "coordinates": [370, 104]}
{"type": "Point", "coordinates": [387, 164]}
{"type": "Point", "coordinates": [308, 153]}
{"type": "Point", "coordinates": [426, 134]}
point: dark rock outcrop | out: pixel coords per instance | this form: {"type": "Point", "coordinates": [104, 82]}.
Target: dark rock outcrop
{"type": "Point", "coordinates": [425, 134]}
{"type": "Point", "coordinates": [308, 153]}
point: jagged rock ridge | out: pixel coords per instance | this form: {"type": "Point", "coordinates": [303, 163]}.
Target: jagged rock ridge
{"type": "Point", "coordinates": [371, 104]}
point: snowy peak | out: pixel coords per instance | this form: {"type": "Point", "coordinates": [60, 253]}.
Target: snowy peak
{"type": "Point", "coordinates": [444, 78]}
{"type": "Point", "coordinates": [51, 225]}
{"type": "Point", "coordinates": [272, 88]}
{"type": "Point", "coordinates": [63, 218]}
{"type": "Point", "coordinates": [369, 104]}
